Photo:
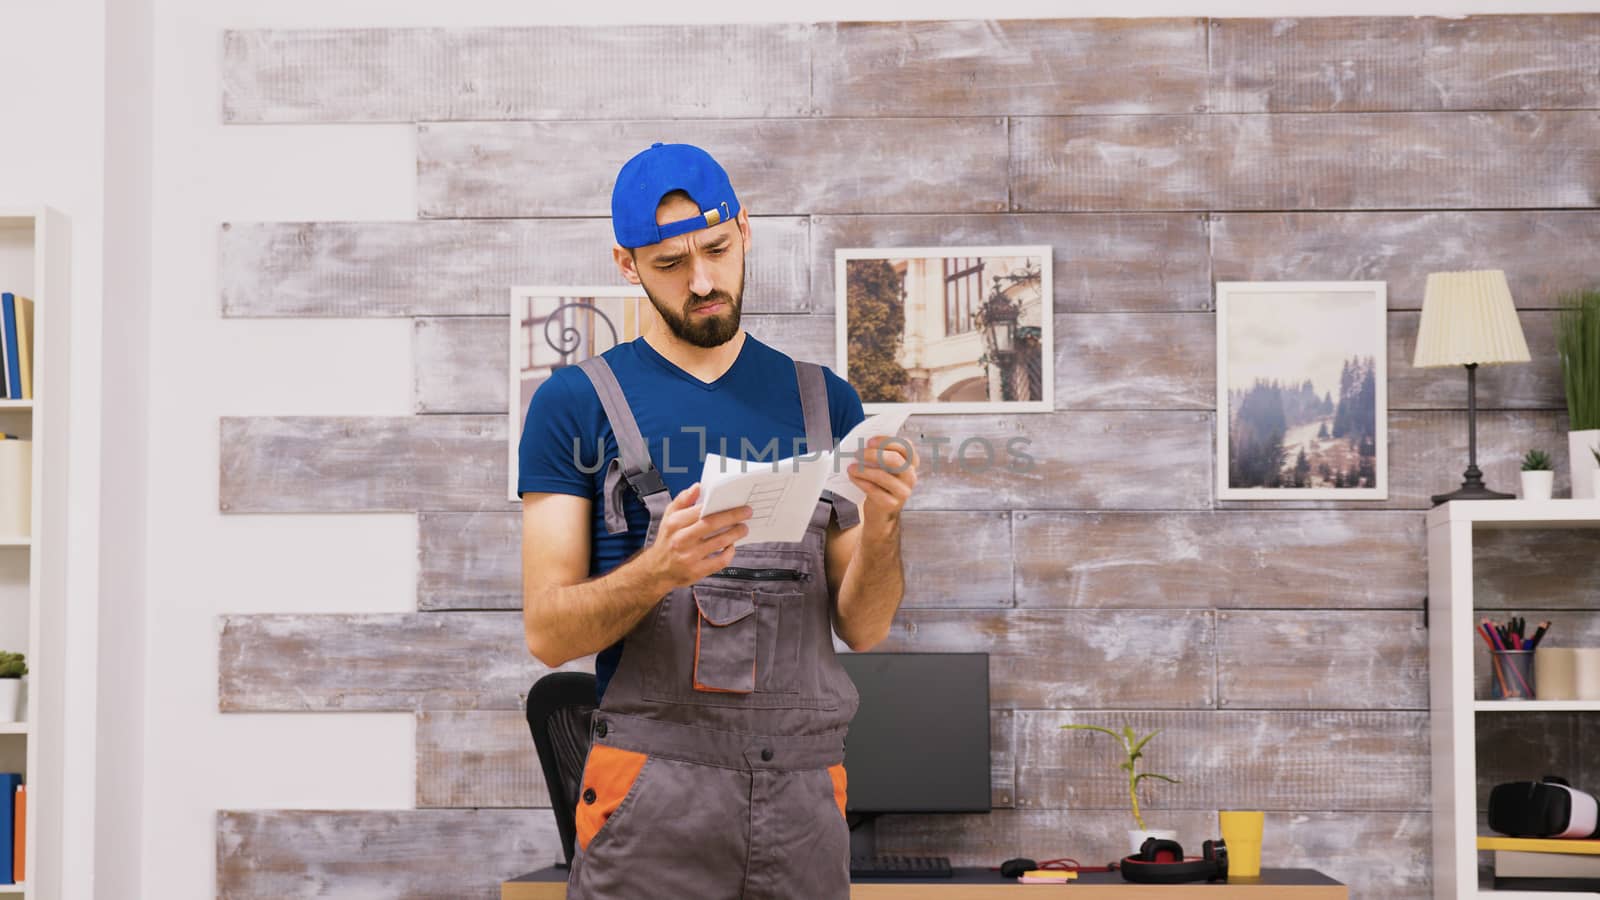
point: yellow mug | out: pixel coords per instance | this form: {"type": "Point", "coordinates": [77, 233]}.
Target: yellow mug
{"type": "Point", "coordinates": [1241, 832]}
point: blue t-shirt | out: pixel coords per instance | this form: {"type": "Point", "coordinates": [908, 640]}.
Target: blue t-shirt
{"type": "Point", "coordinates": [756, 401]}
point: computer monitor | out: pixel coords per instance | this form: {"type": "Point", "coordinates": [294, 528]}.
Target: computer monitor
{"type": "Point", "coordinates": [920, 740]}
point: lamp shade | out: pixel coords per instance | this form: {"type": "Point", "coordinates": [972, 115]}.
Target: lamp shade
{"type": "Point", "coordinates": [1468, 318]}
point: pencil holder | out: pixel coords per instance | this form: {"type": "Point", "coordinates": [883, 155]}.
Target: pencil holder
{"type": "Point", "coordinates": [1511, 675]}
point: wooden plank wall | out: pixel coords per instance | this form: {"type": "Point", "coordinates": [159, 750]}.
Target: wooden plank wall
{"type": "Point", "coordinates": [1279, 646]}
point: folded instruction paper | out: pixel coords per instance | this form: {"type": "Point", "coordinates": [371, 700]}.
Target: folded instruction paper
{"type": "Point", "coordinates": [784, 493]}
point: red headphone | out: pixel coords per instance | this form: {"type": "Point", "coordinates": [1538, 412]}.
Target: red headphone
{"type": "Point", "coordinates": [1161, 862]}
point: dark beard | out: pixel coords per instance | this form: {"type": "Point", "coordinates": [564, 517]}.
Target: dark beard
{"type": "Point", "coordinates": [702, 331]}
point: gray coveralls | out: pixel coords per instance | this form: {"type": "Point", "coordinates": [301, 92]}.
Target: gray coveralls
{"type": "Point", "coordinates": [716, 768]}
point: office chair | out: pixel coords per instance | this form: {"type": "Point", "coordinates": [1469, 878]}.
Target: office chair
{"type": "Point", "coordinates": [560, 706]}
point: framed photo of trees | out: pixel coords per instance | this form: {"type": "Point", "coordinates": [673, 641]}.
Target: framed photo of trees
{"type": "Point", "coordinates": [1302, 390]}
{"type": "Point", "coordinates": [946, 329]}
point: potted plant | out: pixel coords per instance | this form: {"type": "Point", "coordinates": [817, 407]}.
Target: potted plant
{"type": "Point", "coordinates": [12, 667]}
{"type": "Point", "coordinates": [1537, 475]}
{"type": "Point", "coordinates": [1578, 345]}
{"type": "Point", "coordinates": [1133, 750]}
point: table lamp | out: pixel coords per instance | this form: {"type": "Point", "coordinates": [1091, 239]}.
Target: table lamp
{"type": "Point", "coordinates": [1468, 320]}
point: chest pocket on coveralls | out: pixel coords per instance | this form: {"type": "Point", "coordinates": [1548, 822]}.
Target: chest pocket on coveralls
{"type": "Point", "coordinates": [749, 625]}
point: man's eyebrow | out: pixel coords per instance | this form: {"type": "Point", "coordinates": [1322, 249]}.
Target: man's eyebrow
{"type": "Point", "coordinates": [713, 244]}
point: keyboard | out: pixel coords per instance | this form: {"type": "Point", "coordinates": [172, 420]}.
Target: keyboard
{"type": "Point", "coordinates": [900, 867]}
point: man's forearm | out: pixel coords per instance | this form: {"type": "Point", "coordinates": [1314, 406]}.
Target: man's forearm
{"type": "Point", "coordinates": [564, 622]}
{"type": "Point", "coordinates": [872, 588]}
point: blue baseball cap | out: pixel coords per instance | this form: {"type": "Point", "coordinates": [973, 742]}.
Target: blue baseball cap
{"type": "Point", "coordinates": [657, 171]}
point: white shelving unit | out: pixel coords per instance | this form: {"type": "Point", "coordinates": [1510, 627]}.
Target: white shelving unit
{"type": "Point", "coordinates": [1452, 644]}
{"type": "Point", "coordinates": [35, 263]}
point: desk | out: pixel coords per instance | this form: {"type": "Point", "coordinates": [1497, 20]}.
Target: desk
{"type": "Point", "coordinates": [982, 884]}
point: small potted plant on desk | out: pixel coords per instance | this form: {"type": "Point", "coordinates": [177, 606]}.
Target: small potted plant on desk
{"type": "Point", "coordinates": [1133, 748]}
{"type": "Point", "coordinates": [12, 667]}
{"type": "Point", "coordinates": [1538, 476]}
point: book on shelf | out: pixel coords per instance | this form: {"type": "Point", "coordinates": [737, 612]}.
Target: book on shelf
{"type": "Point", "coordinates": [9, 782]}
{"type": "Point", "coordinates": [1584, 846]}
{"type": "Point", "coordinates": [19, 844]}
{"type": "Point", "coordinates": [1527, 864]}
{"type": "Point", "coordinates": [5, 353]}
{"type": "Point", "coordinates": [16, 345]}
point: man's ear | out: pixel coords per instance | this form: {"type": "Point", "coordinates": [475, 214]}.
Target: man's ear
{"type": "Point", "coordinates": [744, 226]}
{"type": "Point", "coordinates": [626, 263]}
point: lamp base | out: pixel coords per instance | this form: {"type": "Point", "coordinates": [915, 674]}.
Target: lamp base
{"type": "Point", "coordinates": [1470, 490]}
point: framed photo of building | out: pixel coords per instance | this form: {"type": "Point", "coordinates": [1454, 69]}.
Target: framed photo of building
{"type": "Point", "coordinates": [946, 329]}
{"type": "Point", "coordinates": [1302, 390]}
{"type": "Point", "coordinates": [556, 326]}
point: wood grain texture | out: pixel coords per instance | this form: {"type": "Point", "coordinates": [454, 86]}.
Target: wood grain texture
{"type": "Point", "coordinates": [1375, 63]}
{"type": "Point", "coordinates": [468, 758]}
{"type": "Point", "coordinates": [418, 74]}
{"type": "Point", "coordinates": [778, 166]}
{"type": "Point", "coordinates": [1428, 454]}
{"type": "Point", "coordinates": [371, 464]}
{"type": "Point", "coordinates": [953, 559]}
{"type": "Point", "coordinates": [808, 338]}
{"type": "Point", "coordinates": [1527, 747]}
{"type": "Point", "coordinates": [1379, 854]}
{"type": "Point", "coordinates": [1536, 384]}
{"type": "Point", "coordinates": [1063, 461]}
{"type": "Point", "coordinates": [1113, 262]}
{"type": "Point", "coordinates": [487, 759]}
{"type": "Point", "coordinates": [479, 660]}
{"type": "Point", "coordinates": [1019, 67]}
{"type": "Point", "coordinates": [412, 854]}
{"type": "Point", "coordinates": [1043, 659]}
{"type": "Point", "coordinates": [957, 559]}
{"type": "Point", "coordinates": [1555, 569]}
{"type": "Point", "coordinates": [1312, 760]}
{"type": "Point", "coordinates": [369, 663]}
{"type": "Point", "coordinates": [1321, 659]}
{"type": "Point", "coordinates": [1401, 248]}
{"type": "Point", "coordinates": [466, 268]}
{"type": "Point", "coordinates": [1136, 361]}
{"type": "Point", "coordinates": [469, 560]}
{"type": "Point", "coordinates": [1279, 559]}
{"type": "Point", "coordinates": [1511, 160]}
{"type": "Point", "coordinates": [460, 362]}
{"type": "Point", "coordinates": [1168, 361]}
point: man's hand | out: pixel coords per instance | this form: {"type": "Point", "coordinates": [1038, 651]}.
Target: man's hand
{"type": "Point", "coordinates": [687, 548]}
{"type": "Point", "coordinates": [886, 472]}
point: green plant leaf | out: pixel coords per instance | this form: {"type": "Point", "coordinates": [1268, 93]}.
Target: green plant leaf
{"type": "Point", "coordinates": [1143, 775]}
{"type": "Point", "coordinates": [1100, 728]}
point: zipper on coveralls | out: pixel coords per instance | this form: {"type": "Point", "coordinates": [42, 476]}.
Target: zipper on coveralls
{"type": "Point", "coordinates": [747, 574]}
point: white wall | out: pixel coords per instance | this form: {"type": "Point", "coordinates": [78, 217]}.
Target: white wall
{"type": "Point", "coordinates": [200, 564]}
{"type": "Point", "coordinates": [120, 733]}
{"type": "Point", "coordinates": [52, 107]}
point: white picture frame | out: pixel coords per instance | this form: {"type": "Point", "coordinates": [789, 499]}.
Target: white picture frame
{"type": "Point", "coordinates": [942, 346]}
{"type": "Point", "coordinates": [534, 353]}
{"type": "Point", "coordinates": [1293, 334]}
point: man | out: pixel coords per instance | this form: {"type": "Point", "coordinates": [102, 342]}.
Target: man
{"type": "Point", "coordinates": [716, 769]}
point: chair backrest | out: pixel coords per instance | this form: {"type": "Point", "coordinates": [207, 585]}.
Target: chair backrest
{"type": "Point", "coordinates": [560, 707]}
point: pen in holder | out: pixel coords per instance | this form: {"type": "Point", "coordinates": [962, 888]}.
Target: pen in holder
{"type": "Point", "coordinates": [1512, 678]}
{"type": "Point", "coordinates": [1511, 657]}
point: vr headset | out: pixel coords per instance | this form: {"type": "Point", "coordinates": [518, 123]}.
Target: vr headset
{"type": "Point", "coordinates": [1161, 862]}
{"type": "Point", "coordinates": [1543, 809]}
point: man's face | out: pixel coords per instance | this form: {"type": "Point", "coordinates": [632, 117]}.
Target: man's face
{"type": "Point", "coordinates": [695, 280]}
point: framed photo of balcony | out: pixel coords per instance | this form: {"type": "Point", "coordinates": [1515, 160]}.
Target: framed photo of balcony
{"type": "Point", "coordinates": [1302, 390]}
{"type": "Point", "coordinates": [562, 325]}
{"type": "Point", "coordinates": [946, 329]}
